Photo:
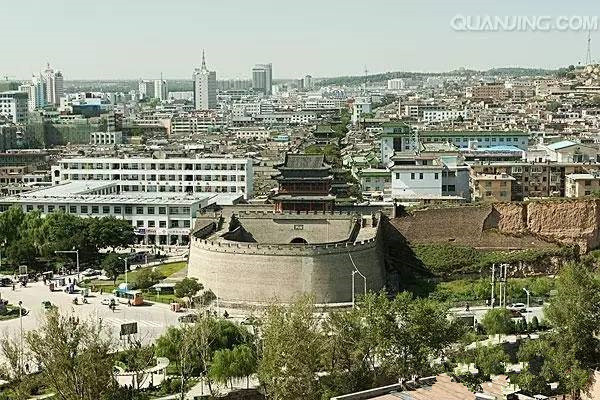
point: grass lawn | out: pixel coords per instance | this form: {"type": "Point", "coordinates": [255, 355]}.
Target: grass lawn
{"type": "Point", "coordinates": [167, 269]}
{"type": "Point", "coordinates": [11, 313]}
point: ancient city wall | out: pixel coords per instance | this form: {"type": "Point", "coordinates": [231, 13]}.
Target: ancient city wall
{"type": "Point", "coordinates": [534, 224]}
{"type": "Point", "coordinates": [251, 272]}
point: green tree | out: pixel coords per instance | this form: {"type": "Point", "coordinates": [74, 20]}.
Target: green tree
{"type": "Point", "coordinates": [573, 347]}
{"type": "Point", "coordinates": [498, 321]}
{"type": "Point", "coordinates": [489, 360]}
{"type": "Point", "coordinates": [187, 288]}
{"type": "Point", "coordinates": [553, 106]}
{"type": "Point", "coordinates": [75, 357]}
{"type": "Point", "coordinates": [10, 222]}
{"type": "Point", "coordinates": [111, 232]}
{"type": "Point", "coordinates": [113, 266]}
{"type": "Point", "coordinates": [147, 277]}
{"type": "Point", "coordinates": [179, 345]}
{"type": "Point", "coordinates": [237, 363]}
{"type": "Point", "coordinates": [291, 347]}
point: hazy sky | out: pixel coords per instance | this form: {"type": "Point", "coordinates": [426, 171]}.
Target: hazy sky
{"type": "Point", "coordinates": [141, 38]}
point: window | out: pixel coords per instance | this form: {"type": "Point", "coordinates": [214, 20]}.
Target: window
{"type": "Point", "coordinates": [162, 224]}
{"type": "Point", "coordinates": [436, 176]}
{"type": "Point", "coordinates": [73, 209]}
{"type": "Point", "coordinates": [139, 223]}
{"type": "Point", "coordinates": [397, 175]}
{"type": "Point", "coordinates": [95, 210]}
{"type": "Point", "coordinates": [451, 188]}
{"type": "Point", "coordinates": [117, 209]}
{"type": "Point", "coordinates": [84, 209]}
{"type": "Point", "coordinates": [186, 223]}
{"type": "Point", "coordinates": [128, 210]}
{"type": "Point", "coordinates": [150, 210]}
{"type": "Point", "coordinates": [420, 175]}
{"type": "Point", "coordinates": [29, 207]}
{"type": "Point", "coordinates": [151, 224]}
{"type": "Point", "coordinates": [139, 210]}
{"type": "Point", "coordinates": [50, 208]}
{"type": "Point", "coordinates": [105, 209]}
{"type": "Point", "coordinates": [162, 210]}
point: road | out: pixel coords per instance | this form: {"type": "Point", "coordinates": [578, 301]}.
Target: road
{"type": "Point", "coordinates": [152, 319]}
{"type": "Point", "coordinates": [479, 312]}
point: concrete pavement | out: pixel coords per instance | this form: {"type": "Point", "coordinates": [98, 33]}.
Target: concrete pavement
{"type": "Point", "coordinates": [153, 318]}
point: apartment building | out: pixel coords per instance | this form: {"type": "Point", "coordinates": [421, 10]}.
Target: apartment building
{"type": "Point", "coordinates": [174, 175]}
{"type": "Point", "coordinates": [106, 138]}
{"type": "Point", "coordinates": [13, 106]}
{"type": "Point", "coordinates": [492, 187]}
{"type": "Point", "coordinates": [580, 185]}
{"type": "Point", "coordinates": [534, 179]}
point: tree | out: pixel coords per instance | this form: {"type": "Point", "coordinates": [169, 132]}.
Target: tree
{"type": "Point", "coordinates": [573, 348]}
{"type": "Point", "coordinates": [534, 325]}
{"type": "Point", "coordinates": [206, 298]}
{"type": "Point", "coordinates": [113, 266]}
{"type": "Point", "coordinates": [237, 363]}
{"type": "Point", "coordinates": [498, 321]}
{"type": "Point", "coordinates": [147, 277]}
{"type": "Point", "coordinates": [179, 345]}
{"type": "Point", "coordinates": [291, 347]}
{"type": "Point", "coordinates": [111, 232]}
{"type": "Point", "coordinates": [553, 106]}
{"type": "Point", "coordinates": [10, 221]}
{"type": "Point", "coordinates": [137, 358]}
{"type": "Point", "coordinates": [489, 360]}
{"type": "Point", "coordinates": [188, 287]}
{"type": "Point", "coordinates": [75, 357]}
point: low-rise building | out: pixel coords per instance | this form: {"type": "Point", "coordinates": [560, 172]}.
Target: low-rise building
{"type": "Point", "coordinates": [487, 187]}
{"type": "Point", "coordinates": [580, 185]}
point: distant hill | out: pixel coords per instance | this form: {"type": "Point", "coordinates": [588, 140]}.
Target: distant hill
{"type": "Point", "coordinates": [506, 71]}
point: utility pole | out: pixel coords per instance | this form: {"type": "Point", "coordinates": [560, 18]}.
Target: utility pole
{"type": "Point", "coordinates": [588, 57]}
{"type": "Point", "coordinates": [493, 298]}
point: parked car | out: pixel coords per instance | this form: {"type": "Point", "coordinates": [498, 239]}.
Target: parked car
{"type": "Point", "coordinates": [520, 307]}
{"type": "Point", "coordinates": [188, 318]}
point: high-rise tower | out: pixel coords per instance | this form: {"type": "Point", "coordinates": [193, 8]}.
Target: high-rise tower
{"type": "Point", "coordinates": [205, 87]}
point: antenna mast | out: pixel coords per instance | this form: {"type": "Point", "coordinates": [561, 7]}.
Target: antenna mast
{"type": "Point", "coordinates": [588, 57]}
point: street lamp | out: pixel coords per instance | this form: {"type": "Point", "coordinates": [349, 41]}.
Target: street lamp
{"type": "Point", "coordinates": [21, 335]}
{"type": "Point", "coordinates": [76, 252]}
{"type": "Point", "coordinates": [125, 259]}
{"type": "Point", "coordinates": [528, 294]}
{"type": "Point", "coordinates": [354, 272]}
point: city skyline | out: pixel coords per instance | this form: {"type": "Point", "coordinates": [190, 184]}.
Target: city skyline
{"type": "Point", "coordinates": [386, 36]}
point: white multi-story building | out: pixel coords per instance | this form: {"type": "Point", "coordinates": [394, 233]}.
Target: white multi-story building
{"type": "Point", "coordinates": [443, 115]}
{"type": "Point", "coordinates": [205, 87]}
{"type": "Point", "coordinates": [54, 83]}
{"type": "Point", "coordinates": [361, 106]}
{"type": "Point", "coordinates": [161, 89]}
{"type": "Point", "coordinates": [171, 175]}
{"type": "Point", "coordinates": [165, 219]}
{"type": "Point", "coordinates": [422, 179]}
{"type": "Point", "coordinates": [109, 137]}
{"type": "Point", "coordinates": [36, 93]}
{"type": "Point", "coordinates": [396, 84]}
{"type": "Point", "coordinates": [13, 106]}
{"type": "Point", "coordinates": [146, 89]}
